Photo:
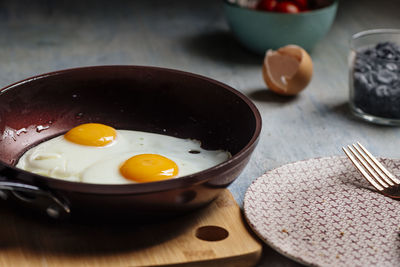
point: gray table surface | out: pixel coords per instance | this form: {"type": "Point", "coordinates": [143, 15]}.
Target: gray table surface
{"type": "Point", "coordinates": [43, 36]}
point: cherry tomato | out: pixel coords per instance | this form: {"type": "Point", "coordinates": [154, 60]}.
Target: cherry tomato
{"type": "Point", "coordinates": [268, 5]}
{"type": "Point", "coordinates": [287, 7]}
{"type": "Point", "coordinates": [302, 4]}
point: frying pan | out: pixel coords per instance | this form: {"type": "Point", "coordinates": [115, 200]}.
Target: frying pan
{"type": "Point", "coordinates": [150, 99]}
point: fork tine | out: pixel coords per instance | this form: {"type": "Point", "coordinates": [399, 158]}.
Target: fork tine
{"type": "Point", "coordinates": [362, 170]}
{"type": "Point", "coordinates": [378, 174]}
{"type": "Point", "coordinates": [365, 165]}
{"type": "Point", "coordinates": [389, 174]}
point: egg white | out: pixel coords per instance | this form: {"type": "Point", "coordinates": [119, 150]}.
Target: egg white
{"type": "Point", "coordinates": [62, 159]}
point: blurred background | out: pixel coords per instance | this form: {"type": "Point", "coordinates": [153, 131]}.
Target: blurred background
{"type": "Point", "coordinates": [46, 35]}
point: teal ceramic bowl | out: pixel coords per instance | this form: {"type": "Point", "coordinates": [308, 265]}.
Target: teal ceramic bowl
{"type": "Point", "coordinates": [262, 30]}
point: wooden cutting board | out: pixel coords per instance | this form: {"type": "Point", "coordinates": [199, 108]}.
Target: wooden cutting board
{"type": "Point", "coordinates": [213, 236]}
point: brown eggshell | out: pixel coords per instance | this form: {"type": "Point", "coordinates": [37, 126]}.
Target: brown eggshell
{"type": "Point", "coordinates": [288, 70]}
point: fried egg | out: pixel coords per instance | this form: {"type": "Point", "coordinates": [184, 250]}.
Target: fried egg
{"type": "Point", "coordinates": [97, 153]}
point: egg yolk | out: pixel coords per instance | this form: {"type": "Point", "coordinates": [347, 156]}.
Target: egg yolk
{"type": "Point", "coordinates": [91, 134]}
{"type": "Point", "coordinates": [148, 168]}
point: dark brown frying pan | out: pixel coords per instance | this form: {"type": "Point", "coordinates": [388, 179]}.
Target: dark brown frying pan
{"type": "Point", "coordinates": [139, 98]}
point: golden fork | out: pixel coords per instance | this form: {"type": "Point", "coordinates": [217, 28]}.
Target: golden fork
{"type": "Point", "coordinates": [373, 171]}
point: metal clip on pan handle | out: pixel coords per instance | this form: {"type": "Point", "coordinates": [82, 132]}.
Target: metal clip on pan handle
{"type": "Point", "coordinates": [35, 196]}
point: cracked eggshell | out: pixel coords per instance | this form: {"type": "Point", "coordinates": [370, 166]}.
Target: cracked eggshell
{"type": "Point", "coordinates": [288, 70]}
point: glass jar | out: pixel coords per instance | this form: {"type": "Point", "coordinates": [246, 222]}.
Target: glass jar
{"type": "Point", "coordinates": [374, 65]}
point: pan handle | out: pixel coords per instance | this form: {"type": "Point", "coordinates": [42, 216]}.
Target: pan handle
{"type": "Point", "coordinates": [33, 195]}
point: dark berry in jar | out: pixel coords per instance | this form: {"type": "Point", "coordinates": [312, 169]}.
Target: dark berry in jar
{"type": "Point", "coordinates": [376, 80]}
